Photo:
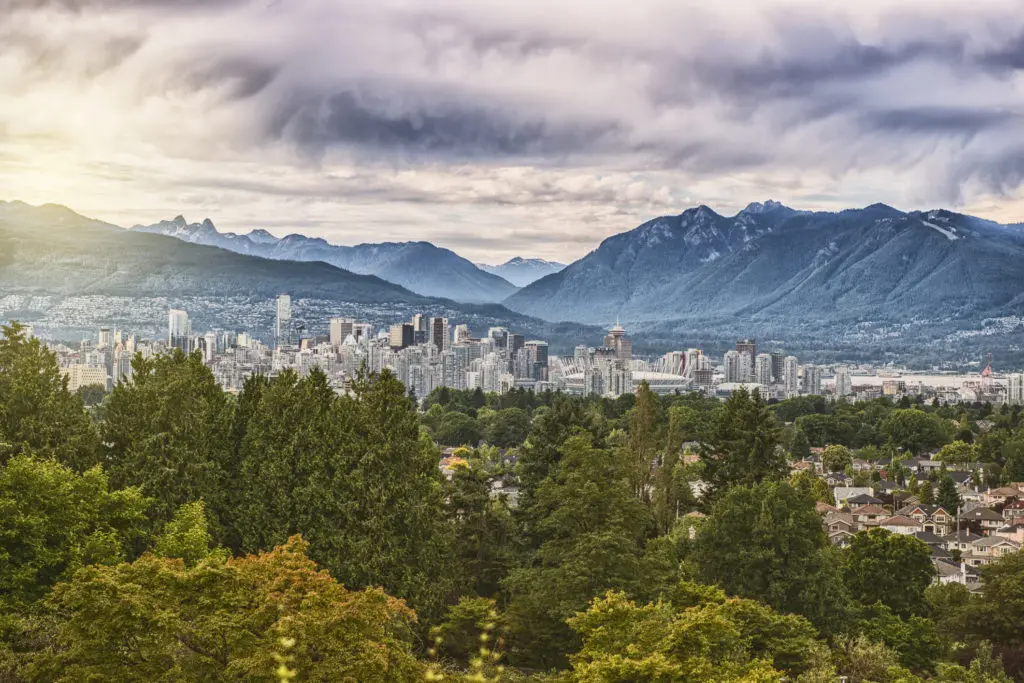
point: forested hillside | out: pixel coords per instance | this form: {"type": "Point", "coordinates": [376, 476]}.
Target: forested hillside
{"type": "Point", "coordinates": [174, 532]}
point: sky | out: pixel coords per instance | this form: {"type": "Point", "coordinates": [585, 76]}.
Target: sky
{"type": "Point", "coordinates": [500, 128]}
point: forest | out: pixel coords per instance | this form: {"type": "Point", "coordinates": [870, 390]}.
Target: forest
{"type": "Point", "coordinates": [170, 531]}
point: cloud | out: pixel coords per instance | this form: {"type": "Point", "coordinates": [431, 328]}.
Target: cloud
{"type": "Point", "coordinates": [464, 120]}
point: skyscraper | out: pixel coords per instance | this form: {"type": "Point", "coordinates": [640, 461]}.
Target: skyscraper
{"type": "Point", "coordinates": [844, 384]}
{"type": "Point", "coordinates": [748, 348]}
{"type": "Point", "coordinates": [812, 380]}
{"type": "Point", "coordinates": [402, 336]}
{"type": "Point", "coordinates": [791, 375]}
{"type": "Point", "coordinates": [539, 350]}
{"type": "Point", "coordinates": [732, 368]}
{"type": "Point", "coordinates": [283, 327]}
{"type": "Point", "coordinates": [763, 369]}
{"type": "Point", "coordinates": [439, 333]}
{"type": "Point", "coordinates": [104, 340]}
{"type": "Point", "coordinates": [1015, 396]}
{"type": "Point", "coordinates": [778, 367]}
{"type": "Point", "coordinates": [179, 331]}
{"type": "Point", "coordinates": [421, 335]}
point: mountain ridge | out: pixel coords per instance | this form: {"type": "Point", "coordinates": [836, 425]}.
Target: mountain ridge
{"type": "Point", "coordinates": [523, 271]}
{"type": "Point", "coordinates": [769, 260]}
{"type": "Point", "coordinates": [419, 266]}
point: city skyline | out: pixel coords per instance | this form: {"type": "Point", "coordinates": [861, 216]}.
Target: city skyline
{"type": "Point", "coordinates": [465, 124]}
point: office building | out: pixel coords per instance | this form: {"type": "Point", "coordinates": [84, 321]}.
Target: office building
{"type": "Point", "coordinates": [439, 334]}
{"type": "Point", "coordinates": [1015, 395]}
{"type": "Point", "coordinates": [340, 330]}
{"type": "Point", "coordinates": [731, 367]}
{"type": "Point", "coordinates": [421, 333]}
{"type": "Point", "coordinates": [538, 351]}
{"type": "Point", "coordinates": [621, 345]}
{"type": "Point", "coordinates": [402, 336]}
{"type": "Point", "coordinates": [104, 339]}
{"type": "Point", "coordinates": [748, 348]}
{"type": "Point", "coordinates": [778, 367]}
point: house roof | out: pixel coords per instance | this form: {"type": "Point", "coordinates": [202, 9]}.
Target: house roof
{"type": "Point", "coordinates": [900, 520]}
{"type": "Point", "coordinates": [1004, 491]}
{"type": "Point", "coordinates": [928, 537]}
{"type": "Point", "coordinates": [928, 510]}
{"type": "Point", "coordinates": [982, 515]}
{"type": "Point", "coordinates": [870, 510]}
{"type": "Point", "coordinates": [992, 541]}
{"type": "Point", "coordinates": [960, 477]}
{"type": "Point", "coordinates": [843, 517]}
{"type": "Point", "coordinates": [940, 553]}
{"type": "Point", "coordinates": [1015, 505]}
{"type": "Point", "coordinates": [863, 499]}
{"type": "Point", "coordinates": [822, 508]}
{"type": "Point", "coordinates": [963, 536]}
{"type": "Point", "coordinates": [885, 485]}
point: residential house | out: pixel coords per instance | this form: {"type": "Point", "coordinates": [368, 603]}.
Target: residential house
{"type": "Point", "coordinates": [961, 540]}
{"type": "Point", "coordinates": [989, 549]}
{"type": "Point", "coordinates": [841, 538]}
{"type": "Point", "coordinates": [824, 508]}
{"type": "Point", "coordinates": [933, 518]}
{"type": "Point", "coordinates": [953, 572]}
{"type": "Point", "coordinates": [986, 519]}
{"type": "Point", "coordinates": [869, 516]}
{"type": "Point", "coordinates": [1013, 510]}
{"type": "Point", "coordinates": [842, 494]}
{"type": "Point", "coordinates": [835, 479]}
{"type": "Point", "coordinates": [861, 465]}
{"type": "Point", "coordinates": [901, 524]}
{"type": "Point", "coordinates": [1000, 495]}
{"type": "Point", "coordinates": [801, 466]}
{"type": "Point", "coordinates": [863, 499]}
{"type": "Point", "coordinates": [1014, 531]}
{"type": "Point", "coordinates": [840, 521]}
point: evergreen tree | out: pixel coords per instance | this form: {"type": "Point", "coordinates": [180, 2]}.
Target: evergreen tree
{"type": "Point", "coordinates": [167, 431]}
{"type": "Point", "coordinates": [766, 543]}
{"type": "Point", "coordinates": [947, 496]}
{"type": "Point", "coordinates": [927, 494]}
{"type": "Point", "coordinates": [800, 449]}
{"type": "Point", "coordinates": [37, 412]}
{"type": "Point", "coordinates": [893, 569]}
{"type": "Point", "coordinates": [642, 446]}
{"type": "Point", "coordinates": [742, 447]}
{"type": "Point", "coordinates": [542, 451]}
{"type": "Point", "coordinates": [590, 533]}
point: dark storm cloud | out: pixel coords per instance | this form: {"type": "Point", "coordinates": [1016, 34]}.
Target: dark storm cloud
{"type": "Point", "coordinates": [402, 121]}
{"type": "Point", "coordinates": [951, 120]}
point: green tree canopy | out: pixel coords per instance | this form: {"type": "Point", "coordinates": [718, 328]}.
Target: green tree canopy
{"type": "Point", "coordinates": [915, 430]}
{"type": "Point", "coordinates": [742, 445]}
{"type": "Point", "coordinates": [894, 569]}
{"type": "Point", "coordinates": [158, 619]}
{"type": "Point", "coordinates": [836, 458]}
{"type": "Point", "coordinates": [54, 521]}
{"type": "Point", "coordinates": [766, 543]}
{"type": "Point", "coordinates": [37, 412]}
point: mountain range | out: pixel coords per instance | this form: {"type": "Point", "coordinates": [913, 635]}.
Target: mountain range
{"type": "Point", "coordinates": [773, 264]}
{"type": "Point", "coordinates": [420, 267]}
{"type": "Point", "coordinates": [69, 274]}
{"type": "Point", "coordinates": [523, 271]}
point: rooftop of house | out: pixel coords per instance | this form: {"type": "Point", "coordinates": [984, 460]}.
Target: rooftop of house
{"type": "Point", "coordinates": [900, 520]}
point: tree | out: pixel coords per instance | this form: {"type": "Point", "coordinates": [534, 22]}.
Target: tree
{"type": "Point", "coordinates": [508, 428]}
{"type": "Point", "coordinates": [957, 453]}
{"type": "Point", "coordinates": [893, 569]}
{"type": "Point", "coordinates": [37, 412]}
{"type": "Point", "coordinates": [159, 619]}
{"type": "Point", "coordinates": [717, 639]}
{"type": "Point", "coordinates": [814, 486]}
{"type": "Point", "coordinates": [836, 458]}
{"type": "Point", "coordinates": [186, 536]}
{"type": "Point", "coordinates": [54, 521]}
{"type": "Point", "coordinates": [766, 543]}
{"type": "Point", "coordinates": [484, 532]}
{"type": "Point", "coordinates": [92, 395]}
{"type": "Point", "coordinates": [167, 432]}
{"type": "Point", "coordinates": [643, 443]}
{"type": "Point", "coordinates": [589, 530]}
{"type": "Point", "coordinates": [914, 639]}
{"type": "Point", "coordinates": [742, 447]}
{"type": "Point", "coordinates": [458, 429]}
{"type": "Point", "coordinates": [915, 430]}
{"type": "Point", "coordinates": [800, 449]}
{"type": "Point", "coordinates": [552, 425]}
{"type": "Point", "coordinates": [927, 493]}
{"type": "Point", "coordinates": [947, 496]}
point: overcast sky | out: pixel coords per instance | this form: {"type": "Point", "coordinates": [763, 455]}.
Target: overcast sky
{"type": "Point", "coordinates": [500, 128]}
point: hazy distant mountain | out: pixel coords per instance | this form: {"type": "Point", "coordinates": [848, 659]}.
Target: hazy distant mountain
{"type": "Point", "coordinates": [770, 263]}
{"type": "Point", "coordinates": [523, 271]}
{"type": "Point", "coordinates": [419, 266]}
